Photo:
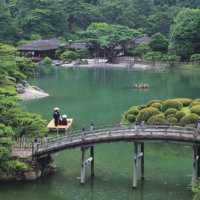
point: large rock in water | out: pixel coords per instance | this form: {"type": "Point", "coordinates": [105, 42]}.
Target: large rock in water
{"type": "Point", "coordinates": [37, 88]}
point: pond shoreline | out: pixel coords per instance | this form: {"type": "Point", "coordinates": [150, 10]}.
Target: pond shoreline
{"type": "Point", "coordinates": [32, 94]}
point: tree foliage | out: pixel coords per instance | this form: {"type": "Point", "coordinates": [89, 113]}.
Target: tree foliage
{"type": "Point", "coordinates": [185, 33]}
{"type": "Point", "coordinates": [159, 42]}
{"type": "Point", "coordinates": [195, 58]}
{"type": "Point", "coordinates": [106, 40]}
{"type": "Point", "coordinates": [152, 57]}
{"type": "Point", "coordinates": [69, 55]}
{"type": "Point", "coordinates": [171, 59]}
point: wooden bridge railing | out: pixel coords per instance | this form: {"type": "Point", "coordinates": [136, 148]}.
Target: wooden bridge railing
{"type": "Point", "coordinates": [124, 130]}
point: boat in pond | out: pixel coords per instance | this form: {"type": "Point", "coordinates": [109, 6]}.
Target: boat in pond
{"type": "Point", "coordinates": [51, 126]}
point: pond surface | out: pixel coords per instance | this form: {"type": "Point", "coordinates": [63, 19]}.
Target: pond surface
{"type": "Point", "coordinates": [102, 95]}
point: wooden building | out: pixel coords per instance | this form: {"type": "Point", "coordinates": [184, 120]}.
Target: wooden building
{"type": "Point", "coordinates": [40, 49]}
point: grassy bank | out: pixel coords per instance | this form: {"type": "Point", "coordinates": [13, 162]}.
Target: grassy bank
{"type": "Point", "coordinates": [9, 85]}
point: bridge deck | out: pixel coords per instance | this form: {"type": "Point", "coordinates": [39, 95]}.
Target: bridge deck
{"type": "Point", "coordinates": [118, 134]}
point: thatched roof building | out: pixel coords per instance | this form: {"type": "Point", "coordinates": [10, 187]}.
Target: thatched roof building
{"type": "Point", "coordinates": [41, 48]}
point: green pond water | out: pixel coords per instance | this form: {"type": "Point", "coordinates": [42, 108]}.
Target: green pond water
{"type": "Point", "coordinates": [102, 95]}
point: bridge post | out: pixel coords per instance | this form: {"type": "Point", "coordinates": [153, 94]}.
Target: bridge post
{"type": "Point", "coordinates": [142, 160]}
{"type": "Point", "coordinates": [135, 165]}
{"type": "Point", "coordinates": [92, 163]}
{"type": "Point", "coordinates": [136, 127]}
{"type": "Point", "coordinates": [83, 165]}
{"type": "Point", "coordinates": [35, 145]}
{"type": "Point", "coordinates": [92, 127]}
{"type": "Point", "coordinates": [198, 127]}
{"type": "Point", "coordinates": [198, 162]}
{"type": "Point", "coordinates": [83, 133]}
{"type": "Point", "coordinates": [194, 174]}
{"type": "Point", "coordinates": [143, 122]}
{"type": "Point", "coordinates": [195, 131]}
{"type": "Point", "coordinates": [46, 140]}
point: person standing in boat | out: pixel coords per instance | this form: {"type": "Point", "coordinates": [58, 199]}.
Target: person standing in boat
{"type": "Point", "coordinates": [64, 120]}
{"type": "Point", "coordinates": [56, 116]}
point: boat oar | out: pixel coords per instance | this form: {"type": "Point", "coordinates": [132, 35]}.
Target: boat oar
{"type": "Point", "coordinates": [57, 127]}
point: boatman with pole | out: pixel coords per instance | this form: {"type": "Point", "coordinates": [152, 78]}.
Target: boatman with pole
{"type": "Point", "coordinates": [56, 115]}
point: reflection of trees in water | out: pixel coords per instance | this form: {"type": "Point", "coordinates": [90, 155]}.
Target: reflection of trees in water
{"type": "Point", "coordinates": [39, 189]}
{"type": "Point", "coordinates": [169, 150]}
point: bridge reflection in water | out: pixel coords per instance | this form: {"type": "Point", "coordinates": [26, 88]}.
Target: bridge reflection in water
{"type": "Point", "coordinates": [138, 134]}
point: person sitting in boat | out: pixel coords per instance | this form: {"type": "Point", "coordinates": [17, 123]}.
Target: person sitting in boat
{"type": "Point", "coordinates": [56, 116]}
{"type": "Point", "coordinates": [60, 121]}
{"type": "Point", "coordinates": [64, 120]}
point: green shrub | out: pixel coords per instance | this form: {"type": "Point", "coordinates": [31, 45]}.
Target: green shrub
{"type": "Point", "coordinates": [134, 107]}
{"type": "Point", "coordinates": [131, 111]}
{"type": "Point", "coordinates": [179, 115]}
{"type": "Point", "coordinates": [172, 120]}
{"type": "Point", "coordinates": [140, 107]}
{"type": "Point", "coordinates": [28, 54]}
{"type": "Point", "coordinates": [171, 103]}
{"type": "Point", "coordinates": [156, 119]}
{"type": "Point", "coordinates": [131, 118]}
{"type": "Point", "coordinates": [170, 111]}
{"type": "Point", "coordinates": [189, 119]}
{"type": "Point", "coordinates": [147, 112]}
{"type": "Point", "coordinates": [190, 125]}
{"type": "Point", "coordinates": [156, 105]}
{"type": "Point", "coordinates": [194, 103]}
{"type": "Point", "coordinates": [170, 115]}
{"type": "Point", "coordinates": [47, 60]}
{"type": "Point", "coordinates": [195, 109]}
{"type": "Point", "coordinates": [153, 101]}
{"type": "Point", "coordinates": [196, 100]}
{"type": "Point", "coordinates": [29, 72]}
{"type": "Point", "coordinates": [184, 101]}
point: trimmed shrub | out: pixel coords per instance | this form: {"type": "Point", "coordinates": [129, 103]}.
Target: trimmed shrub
{"type": "Point", "coordinates": [189, 119]}
{"type": "Point", "coordinates": [47, 60]}
{"type": "Point", "coordinates": [172, 120]}
{"type": "Point", "coordinates": [196, 100]}
{"type": "Point", "coordinates": [195, 109]}
{"type": "Point", "coordinates": [156, 119]}
{"type": "Point", "coordinates": [156, 105]}
{"type": "Point", "coordinates": [179, 115]}
{"type": "Point", "coordinates": [170, 111]}
{"type": "Point", "coordinates": [170, 115]}
{"type": "Point", "coordinates": [131, 111]}
{"type": "Point", "coordinates": [184, 101]}
{"type": "Point", "coordinates": [171, 103]}
{"type": "Point", "coordinates": [147, 112]}
{"type": "Point", "coordinates": [141, 107]}
{"type": "Point", "coordinates": [194, 104]}
{"type": "Point", "coordinates": [134, 107]}
{"type": "Point", "coordinates": [153, 101]}
{"type": "Point", "coordinates": [131, 118]}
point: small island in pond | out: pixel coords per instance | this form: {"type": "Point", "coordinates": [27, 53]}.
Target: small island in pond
{"type": "Point", "coordinates": [175, 111]}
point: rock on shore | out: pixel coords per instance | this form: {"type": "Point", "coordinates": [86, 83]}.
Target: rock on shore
{"type": "Point", "coordinates": [31, 94]}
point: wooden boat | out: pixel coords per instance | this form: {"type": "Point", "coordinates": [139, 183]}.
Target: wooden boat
{"type": "Point", "coordinates": [51, 126]}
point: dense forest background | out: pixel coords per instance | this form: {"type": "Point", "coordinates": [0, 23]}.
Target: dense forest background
{"type": "Point", "coordinates": [30, 19]}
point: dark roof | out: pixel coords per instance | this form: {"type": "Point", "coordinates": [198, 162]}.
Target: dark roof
{"type": "Point", "coordinates": [77, 45]}
{"type": "Point", "coordinates": [41, 45]}
{"type": "Point", "coordinates": [142, 39]}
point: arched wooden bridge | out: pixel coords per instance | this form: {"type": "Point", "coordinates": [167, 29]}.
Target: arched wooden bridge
{"type": "Point", "coordinates": [138, 134]}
